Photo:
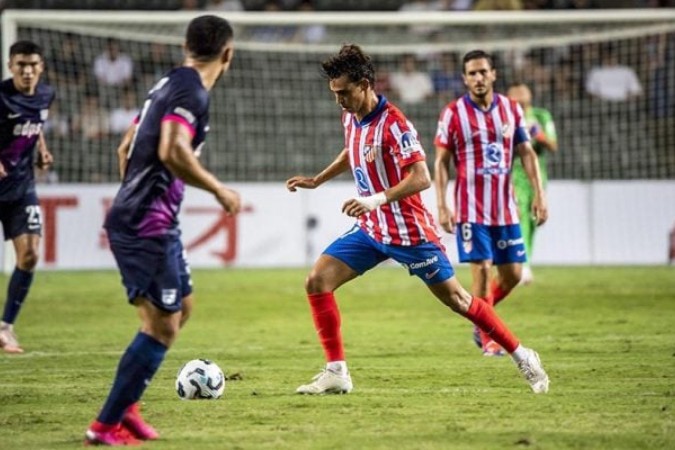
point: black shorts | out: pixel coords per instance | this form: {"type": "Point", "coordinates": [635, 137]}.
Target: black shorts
{"type": "Point", "coordinates": [21, 216]}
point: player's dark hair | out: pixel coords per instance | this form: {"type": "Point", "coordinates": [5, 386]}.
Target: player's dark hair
{"type": "Point", "coordinates": [477, 54]}
{"type": "Point", "coordinates": [25, 48]}
{"type": "Point", "coordinates": [350, 61]}
{"type": "Point", "coordinates": [206, 36]}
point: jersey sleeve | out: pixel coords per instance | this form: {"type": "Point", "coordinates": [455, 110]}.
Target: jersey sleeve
{"type": "Point", "coordinates": [186, 105]}
{"type": "Point", "coordinates": [405, 143]}
{"type": "Point", "coordinates": [443, 138]}
{"type": "Point", "coordinates": [549, 126]}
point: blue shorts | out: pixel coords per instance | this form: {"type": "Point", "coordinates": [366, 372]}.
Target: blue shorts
{"type": "Point", "coordinates": [21, 216]}
{"type": "Point", "coordinates": [501, 244]}
{"type": "Point", "coordinates": [152, 268]}
{"type": "Point", "coordinates": [361, 253]}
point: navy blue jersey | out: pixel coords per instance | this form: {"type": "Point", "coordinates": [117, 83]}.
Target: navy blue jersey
{"type": "Point", "coordinates": [149, 199]}
{"type": "Point", "coordinates": [21, 120]}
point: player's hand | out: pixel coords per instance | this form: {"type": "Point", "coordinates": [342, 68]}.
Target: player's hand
{"type": "Point", "coordinates": [3, 174]}
{"type": "Point", "coordinates": [537, 133]}
{"type": "Point", "coordinates": [229, 200]}
{"type": "Point", "coordinates": [447, 219]}
{"type": "Point", "coordinates": [539, 209]}
{"type": "Point", "coordinates": [45, 159]}
{"type": "Point", "coordinates": [292, 184]}
{"type": "Point", "coordinates": [354, 207]}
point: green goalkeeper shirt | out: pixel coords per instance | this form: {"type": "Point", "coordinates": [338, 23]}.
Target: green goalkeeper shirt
{"type": "Point", "coordinates": [535, 118]}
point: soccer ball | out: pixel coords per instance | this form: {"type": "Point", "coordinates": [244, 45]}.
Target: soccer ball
{"type": "Point", "coordinates": [200, 379]}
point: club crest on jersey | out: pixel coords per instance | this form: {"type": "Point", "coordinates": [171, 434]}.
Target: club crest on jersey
{"type": "Point", "coordinates": [409, 142]}
{"type": "Point", "coordinates": [506, 130]}
{"type": "Point", "coordinates": [370, 152]}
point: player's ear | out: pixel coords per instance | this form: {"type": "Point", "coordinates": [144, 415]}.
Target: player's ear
{"type": "Point", "coordinates": [227, 55]}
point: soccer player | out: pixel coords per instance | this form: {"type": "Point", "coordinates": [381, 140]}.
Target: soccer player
{"type": "Point", "coordinates": [24, 106]}
{"type": "Point", "coordinates": [479, 132]}
{"type": "Point", "coordinates": [544, 139]}
{"type": "Point", "coordinates": [387, 162]}
{"type": "Point", "coordinates": [158, 156]}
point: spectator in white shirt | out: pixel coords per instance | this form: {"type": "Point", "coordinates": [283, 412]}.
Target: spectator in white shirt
{"type": "Point", "coordinates": [112, 67]}
{"type": "Point", "coordinates": [612, 81]}
{"type": "Point", "coordinates": [411, 85]}
{"type": "Point", "coordinates": [123, 116]}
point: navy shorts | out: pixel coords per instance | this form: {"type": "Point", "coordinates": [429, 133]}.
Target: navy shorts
{"type": "Point", "coordinates": [152, 268]}
{"type": "Point", "coordinates": [501, 244]}
{"type": "Point", "coordinates": [360, 252]}
{"type": "Point", "coordinates": [22, 216]}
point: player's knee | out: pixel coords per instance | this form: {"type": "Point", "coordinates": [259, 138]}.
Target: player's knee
{"type": "Point", "coordinates": [316, 283]}
{"type": "Point", "coordinates": [27, 260]}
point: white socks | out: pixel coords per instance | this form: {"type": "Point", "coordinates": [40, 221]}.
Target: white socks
{"type": "Point", "coordinates": [339, 367]}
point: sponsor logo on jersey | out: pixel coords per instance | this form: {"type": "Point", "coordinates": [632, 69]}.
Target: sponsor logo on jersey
{"type": "Point", "coordinates": [409, 142]}
{"type": "Point", "coordinates": [13, 115]}
{"type": "Point", "coordinates": [361, 181]}
{"type": "Point", "coordinates": [28, 129]}
{"type": "Point", "coordinates": [184, 113]}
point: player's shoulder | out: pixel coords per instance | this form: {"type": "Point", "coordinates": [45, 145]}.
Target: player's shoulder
{"type": "Point", "coordinates": [45, 91]}
{"type": "Point", "coordinates": [541, 112]}
{"type": "Point", "coordinates": [185, 81]}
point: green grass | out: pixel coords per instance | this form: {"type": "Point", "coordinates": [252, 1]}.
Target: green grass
{"type": "Point", "coordinates": [606, 336]}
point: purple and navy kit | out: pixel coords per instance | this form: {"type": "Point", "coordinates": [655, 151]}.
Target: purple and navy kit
{"type": "Point", "coordinates": [21, 120]}
{"type": "Point", "coordinates": [148, 202]}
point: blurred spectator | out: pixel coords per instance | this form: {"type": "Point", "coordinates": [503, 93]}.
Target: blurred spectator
{"type": "Point", "coordinates": [123, 116]}
{"type": "Point", "coordinates": [447, 78]}
{"type": "Point", "coordinates": [612, 81]}
{"type": "Point", "coordinates": [112, 67]}
{"type": "Point", "coordinates": [309, 34]}
{"type": "Point", "coordinates": [153, 65]}
{"type": "Point", "coordinates": [224, 5]}
{"type": "Point", "coordinates": [65, 66]}
{"type": "Point", "coordinates": [656, 53]}
{"type": "Point", "coordinates": [57, 124]}
{"type": "Point", "coordinates": [498, 5]}
{"type": "Point", "coordinates": [422, 6]}
{"type": "Point", "coordinates": [272, 33]}
{"type": "Point", "coordinates": [92, 122]}
{"type": "Point", "coordinates": [411, 85]}
{"type": "Point", "coordinates": [190, 5]}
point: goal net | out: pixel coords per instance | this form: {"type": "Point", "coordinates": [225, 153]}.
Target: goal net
{"type": "Point", "coordinates": [273, 115]}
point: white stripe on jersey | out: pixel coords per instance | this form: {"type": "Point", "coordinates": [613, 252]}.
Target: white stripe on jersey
{"type": "Point", "coordinates": [470, 164]}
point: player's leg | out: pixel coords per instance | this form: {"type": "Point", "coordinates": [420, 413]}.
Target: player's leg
{"type": "Point", "coordinates": [151, 273]}
{"type": "Point", "coordinates": [345, 259]}
{"type": "Point", "coordinates": [509, 255]}
{"type": "Point", "coordinates": [525, 197]}
{"type": "Point", "coordinates": [22, 223]}
{"type": "Point", "coordinates": [482, 314]}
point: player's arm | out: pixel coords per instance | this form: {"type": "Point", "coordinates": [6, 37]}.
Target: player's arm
{"type": "Point", "coordinates": [546, 135]}
{"type": "Point", "coordinates": [446, 216]}
{"type": "Point", "coordinates": [45, 158]}
{"type": "Point", "coordinates": [338, 166]}
{"type": "Point", "coordinates": [176, 153]}
{"type": "Point", "coordinates": [531, 166]}
{"type": "Point", "coordinates": [123, 149]}
{"type": "Point", "coordinates": [416, 179]}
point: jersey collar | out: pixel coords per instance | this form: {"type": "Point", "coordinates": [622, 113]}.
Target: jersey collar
{"type": "Point", "coordinates": [467, 98]}
{"type": "Point", "coordinates": [381, 103]}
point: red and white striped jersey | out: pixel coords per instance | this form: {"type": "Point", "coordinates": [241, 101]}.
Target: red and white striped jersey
{"type": "Point", "coordinates": [380, 147]}
{"type": "Point", "coordinates": [482, 144]}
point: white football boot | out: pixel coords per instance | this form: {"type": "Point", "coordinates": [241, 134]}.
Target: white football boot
{"type": "Point", "coordinates": [327, 382]}
{"type": "Point", "coordinates": [534, 373]}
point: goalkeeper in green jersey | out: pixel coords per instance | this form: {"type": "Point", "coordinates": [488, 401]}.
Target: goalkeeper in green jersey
{"type": "Point", "coordinates": [542, 131]}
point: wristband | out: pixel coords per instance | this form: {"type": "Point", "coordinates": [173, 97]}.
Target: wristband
{"type": "Point", "coordinates": [373, 201]}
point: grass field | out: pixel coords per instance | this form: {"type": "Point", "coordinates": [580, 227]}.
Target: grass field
{"type": "Point", "coordinates": [605, 335]}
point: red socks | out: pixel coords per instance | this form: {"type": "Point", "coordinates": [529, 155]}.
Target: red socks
{"type": "Point", "coordinates": [496, 293]}
{"type": "Point", "coordinates": [483, 315]}
{"type": "Point", "coordinates": [326, 317]}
